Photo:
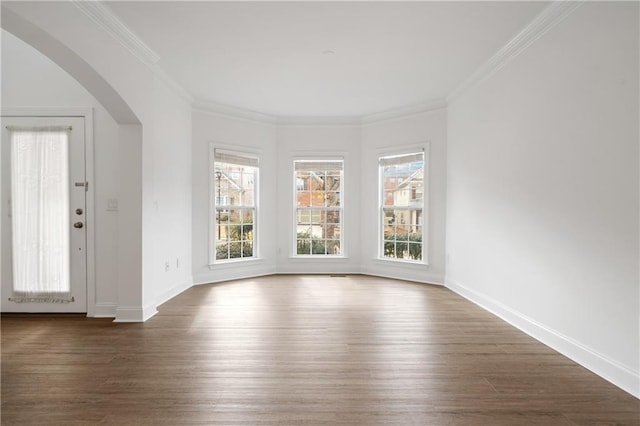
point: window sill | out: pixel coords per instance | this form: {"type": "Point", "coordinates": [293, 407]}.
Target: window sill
{"type": "Point", "coordinates": [235, 262]}
{"type": "Point", "coordinates": [321, 258]}
{"type": "Point", "coordinates": [402, 262]}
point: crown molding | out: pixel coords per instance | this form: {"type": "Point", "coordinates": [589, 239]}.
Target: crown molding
{"type": "Point", "coordinates": [548, 18]}
{"type": "Point", "coordinates": [111, 23]}
{"type": "Point", "coordinates": [215, 108]}
{"type": "Point", "coordinates": [99, 13]}
{"type": "Point", "coordinates": [319, 121]}
{"type": "Point", "coordinates": [403, 112]}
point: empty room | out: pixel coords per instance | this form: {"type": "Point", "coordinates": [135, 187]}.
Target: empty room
{"type": "Point", "coordinates": [331, 212]}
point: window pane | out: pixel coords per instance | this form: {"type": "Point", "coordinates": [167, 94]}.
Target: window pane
{"type": "Point", "coordinates": [318, 246]}
{"type": "Point", "coordinates": [333, 247]}
{"type": "Point", "coordinates": [222, 232]}
{"type": "Point", "coordinates": [247, 216]}
{"type": "Point", "coordinates": [401, 249]}
{"type": "Point", "coordinates": [318, 185]}
{"type": "Point", "coordinates": [222, 216]}
{"type": "Point", "coordinates": [402, 195]}
{"type": "Point", "coordinates": [247, 232]}
{"type": "Point", "coordinates": [332, 198]}
{"type": "Point", "coordinates": [415, 251]}
{"type": "Point", "coordinates": [303, 199]}
{"type": "Point", "coordinates": [304, 217]}
{"type": "Point", "coordinates": [333, 216]}
{"type": "Point", "coordinates": [303, 247]}
{"type": "Point", "coordinates": [222, 251]}
{"type": "Point", "coordinates": [415, 234]}
{"type": "Point", "coordinates": [332, 231]}
{"type": "Point", "coordinates": [247, 197]}
{"type": "Point", "coordinates": [40, 213]}
{"type": "Point", "coordinates": [317, 199]}
{"type": "Point", "coordinates": [402, 232]}
{"type": "Point", "coordinates": [235, 250]}
{"type": "Point", "coordinates": [235, 184]}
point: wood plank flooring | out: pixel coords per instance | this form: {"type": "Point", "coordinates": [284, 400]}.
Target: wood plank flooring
{"type": "Point", "coordinates": [295, 350]}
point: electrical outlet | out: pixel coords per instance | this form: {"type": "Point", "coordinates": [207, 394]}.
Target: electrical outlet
{"type": "Point", "coordinates": [166, 266]}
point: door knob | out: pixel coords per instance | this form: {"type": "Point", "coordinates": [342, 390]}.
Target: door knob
{"type": "Point", "coordinates": [78, 225]}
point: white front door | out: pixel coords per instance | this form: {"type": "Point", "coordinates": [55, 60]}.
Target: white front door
{"type": "Point", "coordinates": [43, 230]}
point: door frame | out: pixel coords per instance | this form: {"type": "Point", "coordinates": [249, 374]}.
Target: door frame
{"type": "Point", "coordinates": [87, 115]}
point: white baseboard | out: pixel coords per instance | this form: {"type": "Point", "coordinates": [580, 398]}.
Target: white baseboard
{"type": "Point", "coordinates": [396, 277]}
{"type": "Point", "coordinates": [402, 273]}
{"type": "Point", "coordinates": [135, 313]}
{"type": "Point", "coordinates": [174, 291]}
{"type": "Point", "coordinates": [605, 367]}
{"type": "Point", "coordinates": [229, 274]}
{"type": "Point", "coordinates": [104, 310]}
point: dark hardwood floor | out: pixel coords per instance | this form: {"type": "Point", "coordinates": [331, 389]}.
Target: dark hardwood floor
{"type": "Point", "coordinates": [298, 350]}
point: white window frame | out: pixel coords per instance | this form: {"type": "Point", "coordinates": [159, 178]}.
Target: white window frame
{"type": "Point", "coordinates": [341, 209]}
{"type": "Point", "coordinates": [401, 151]}
{"type": "Point", "coordinates": [248, 153]}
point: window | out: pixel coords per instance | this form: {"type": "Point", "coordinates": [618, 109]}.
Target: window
{"type": "Point", "coordinates": [235, 178]}
{"type": "Point", "coordinates": [318, 201]}
{"type": "Point", "coordinates": [402, 205]}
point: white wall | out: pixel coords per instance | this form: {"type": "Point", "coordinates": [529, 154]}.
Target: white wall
{"type": "Point", "coordinates": [244, 136]}
{"type": "Point", "coordinates": [279, 145]}
{"type": "Point", "coordinates": [430, 129]}
{"type": "Point", "coordinates": [299, 141]}
{"type": "Point", "coordinates": [29, 79]}
{"type": "Point", "coordinates": [542, 216]}
{"type": "Point", "coordinates": [172, 161]}
{"type": "Point", "coordinates": [151, 207]}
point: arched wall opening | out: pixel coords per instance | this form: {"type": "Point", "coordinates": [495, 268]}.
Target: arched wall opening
{"type": "Point", "coordinates": [60, 81]}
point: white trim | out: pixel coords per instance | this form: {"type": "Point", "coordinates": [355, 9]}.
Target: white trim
{"type": "Point", "coordinates": [99, 13]}
{"type": "Point", "coordinates": [425, 147]}
{"type": "Point", "coordinates": [246, 151]}
{"type": "Point", "coordinates": [46, 112]}
{"type": "Point", "coordinates": [135, 313]}
{"type": "Point", "coordinates": [548, 18]}
{"type": "Point", "coordinates": [312, 258]}
{"type": "Point", "coordinates": [404, 112]}
{"type": "Point", "coordinates": [290, 121]}
{"type": "Point", "coordinates": [405, 275]}
{"type": "Point", "coordinates": [239, 272]}
{"type": "Point", "coordinates": [87, 115]}
{"type": "Point", "coordinates": [228, 111]}
{"type": "Point", "coordinates": [318, 156]}
{"type": "Point", "coordinates": [233, 262]}
{"type": "Point", "coordinates": [105, 310]}
{"type": "Point", "coordinates": [605, 367]}
{"type": "Point", "coordinates": [324, 272]}
{"type": "Point", "coordinates": [174, 291]}
{"type": "Point", "coordinates": [90, 212]}
{"type": "Point", "coordinates": [106, 19]}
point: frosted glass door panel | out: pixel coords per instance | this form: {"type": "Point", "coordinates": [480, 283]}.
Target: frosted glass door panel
{"type": "Point", "coordinates": [40, 212]}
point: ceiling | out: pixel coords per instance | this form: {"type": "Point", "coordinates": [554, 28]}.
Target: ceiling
{"type": "Point", "coordinates": [323, 59]}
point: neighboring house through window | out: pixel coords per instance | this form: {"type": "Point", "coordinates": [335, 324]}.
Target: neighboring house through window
{"type": "Point", "coordinates": [319, 207]}
{"type": "Point", "coordinates": [235, 178]}
{"type": "Point", "coordinates": [402, 205]}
